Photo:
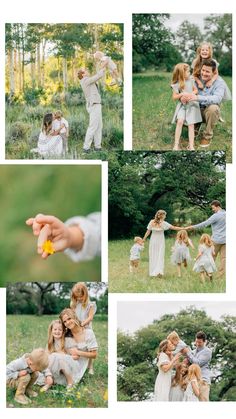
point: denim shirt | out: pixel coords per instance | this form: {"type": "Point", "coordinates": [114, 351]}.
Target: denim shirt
{"type": "Point", "coordinates": [202, 357]}
{"type": "Point", "coordinates": [212, 95]}
{"type": "Point", "coordinates": [218, 224]}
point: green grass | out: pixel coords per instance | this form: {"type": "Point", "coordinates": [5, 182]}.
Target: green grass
{"type": "Point", "coordinates": [121, 280]}
{"type": "Point", "coordinates": [153, 110]}
{"type": "Point", "coordinates": [30, 118]}
{"type": "Point", "coordinates": [59, 190]}
{"type": "Point", "coordinates": [25, 333]}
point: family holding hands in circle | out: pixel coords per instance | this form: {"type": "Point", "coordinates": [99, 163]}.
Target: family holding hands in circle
{"type": "Point", "coordinates": [208, 249]}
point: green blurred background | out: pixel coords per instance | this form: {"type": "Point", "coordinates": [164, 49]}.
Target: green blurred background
{"type": "Point", "coordinates": [60, 190]}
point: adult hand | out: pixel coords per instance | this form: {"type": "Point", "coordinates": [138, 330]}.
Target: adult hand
{"type": "Point", "coordinates": [191, 97]}
{"type": "Point", "coordinates": [184, 350]}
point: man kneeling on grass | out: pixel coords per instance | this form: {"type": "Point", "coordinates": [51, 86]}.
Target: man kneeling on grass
{"type": "Point", "coordinates": [23, 372]}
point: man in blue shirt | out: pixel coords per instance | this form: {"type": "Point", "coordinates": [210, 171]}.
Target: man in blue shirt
{"type": "Point", "coordinates": [218, 225]}
{"type": "Point", "coordinates": [202, 357]}
{"type": "Point", "coordinates": [209, 98]}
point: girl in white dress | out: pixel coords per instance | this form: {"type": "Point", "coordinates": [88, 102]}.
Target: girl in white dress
{"type": "Point", "coordinates": [205, 263]}
{"type": "Point", "coordinates": [194, 378]}
{"type": "Point", "coordinates": [180, 251]}
{"type": "Point", "coordinates": [178, 383]}
{"type": "Point", "coordinates": [157, 226]}
{"type": "Point", "coordinates": [58, 364]}
{"type": "Point", "coordinates": [49, 143]}
{"type": "Point", "coordinates": [166, 361]}
{"type": "Point", "coordinates": [84, 310]}
{"type": "Point", "coordinates": [187, 113]}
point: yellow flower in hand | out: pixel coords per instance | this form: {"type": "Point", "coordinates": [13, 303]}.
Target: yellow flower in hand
{"type": "Point", "coordinates": [48, 247]}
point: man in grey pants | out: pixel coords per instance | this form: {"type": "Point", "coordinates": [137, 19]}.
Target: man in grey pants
{"type": "Point", "coordinates": [218, 225]}
{"type": "Point", "coordinates": [93, 106]}
{"type": "Point", "coordinates": [202, 357]}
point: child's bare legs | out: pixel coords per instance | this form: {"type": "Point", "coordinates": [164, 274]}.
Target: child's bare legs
{"type": "Point", "coordinates": [115, 78]}
{"type": "Point", "coordinates": [90, 367]}
{"type": "Point", "coordinates": [191, 137]}
{"type": "Point", "coordinates": [179, 270]}
{"type": "Point", "coordinates": [202, 276]}
{"type": "Point", "coordinates": [48, 383]}
{"type": "Point", "coordinates": [69, 378]}
{"type": "Point", "coordinates": [178, 130]}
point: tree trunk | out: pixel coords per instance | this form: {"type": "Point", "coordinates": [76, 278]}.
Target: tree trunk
{"type": "Point", "coordinates": [38, 65]}
{"type": "Point", "coordinates": [65, 81]}
{"type": "Point", "coordinates": [43, 62]}
{"type": "Point", "coordinates": [11, 72]}
{"type": "Point", "coordinates": [32, 68]}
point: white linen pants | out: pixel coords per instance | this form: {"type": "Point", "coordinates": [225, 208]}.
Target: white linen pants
{"type": "Point", "coordinates": [94, 131]}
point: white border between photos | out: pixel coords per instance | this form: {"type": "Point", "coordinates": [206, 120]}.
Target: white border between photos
{"type": "Point", "coordinates": [99, 12]}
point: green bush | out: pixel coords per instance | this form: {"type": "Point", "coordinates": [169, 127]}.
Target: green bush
{"type": "Point", "coordinates": [113, 135]}
{"type": "Point", "coordinates": [33, 96]}
{"type": "Point", "coordinates": [77, 126]}
{"type": "Point", "coordinates": [19, 131]}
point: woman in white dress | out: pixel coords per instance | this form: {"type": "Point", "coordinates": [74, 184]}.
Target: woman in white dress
{"type": "Point", "coordinates": [80, 342]}
{"type": "Point", "coordinates": [50, 143]}
{"type": "Point", "coordinates": [157, 226]}
{"type": "Point", "coordinates": [166, 361]}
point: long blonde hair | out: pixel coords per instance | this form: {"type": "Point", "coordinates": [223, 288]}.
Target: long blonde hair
{"type": "Point", "coordinates": [179, 378]}
{"type": "Point", "coordinates": [198, 60]}
{"type": "Point", "coordinates": [194, 371]}
{"type": "Point", "coordinates": [51, 343]}
{"type": "Point", "coordinates": [205, 239]}
{"type": "Point", "coordinates": [79, 290]}
{"type": "Point", "coordinates": [182, 237]}
{"type": "Point", "coordinates": [178, 75]}
{"type": "Point", "coordinates": [159, 216]}
{"type": "Point", "coordinates": [69, 312]}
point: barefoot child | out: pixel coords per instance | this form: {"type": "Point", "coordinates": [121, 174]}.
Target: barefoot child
{"type": "Point", "coordinates": [84, 310]}
{"type": "Point", "coordinates": [187, 113]}
{"type": "Point", "coordinates": [194, 378]}
{"type": "Point", "coordinates": [23, 372]}
{"type": "Point", "coordinates": [205, 263]}
{"type": "Point", "coordinates": [135, 254]}
{"type": "Point", "coordinates": [180, 251]}
{"type": "Point", "coordinates": [60, 126]}
{"type": "Point", "coordinates": [112, 67]}
{"type": "Point", "coordinates": [57, 364]}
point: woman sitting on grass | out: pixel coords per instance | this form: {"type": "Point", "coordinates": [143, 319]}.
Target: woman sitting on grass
{"type": "Point", "coordinates": [50, 142]}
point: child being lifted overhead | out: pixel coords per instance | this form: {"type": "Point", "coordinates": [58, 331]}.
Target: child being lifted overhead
{"type": "Point", "coordinates": [99, 56]}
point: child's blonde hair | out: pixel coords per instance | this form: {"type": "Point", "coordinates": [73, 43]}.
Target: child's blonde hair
{"type": "Point", "coordinates": [98, 55]}
{"type": "Point", "coordinates": [39, 358]}
{"type": "Point", "coordinates": [159, 216]}
{"type": "Point", "coordinates": [137, 239]}
{"type": "Point", "coordinates": [51, 343]}
{"type": "Point", "coordinates": [198, 60]}
{"type": "Point", "coordinates": [205, 239]}
{"type": "Point", "coordinates": [182, 236]}
{"type": "Point", "coordinates": [173, 336]}
{"type": "Point", "coordinates": [58, 114]}
{"type": "Point", "coordinates": [194, 371]}
{"type": "Point", "coordinates": [178, 75]}
{"type": "Point", "coordinates": [79, 290]}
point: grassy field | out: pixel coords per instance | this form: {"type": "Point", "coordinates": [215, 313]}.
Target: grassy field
{"type": "Point", "coordinates": [25, 333]}
{"type": "Point", "coordinates": [23, 125]}
{"type": "Point", "coordinates": [153, 110]}
{"type": "Point", "coordinates": [60, 190]}
{"type": "Point", "coordinates": [121, 280]}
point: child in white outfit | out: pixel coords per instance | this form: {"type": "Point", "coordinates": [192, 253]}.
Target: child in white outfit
{"type": "Point", "coordinates": [60, 125]}
{"type": "Point", "coordinates": [112, 67]}
{"type": "Point", "coordinates": [135, 254]}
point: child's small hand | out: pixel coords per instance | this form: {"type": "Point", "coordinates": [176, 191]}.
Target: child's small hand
{"type": "Point", "coordinates": [22, 373]}
{"type": "Point", "coordinates": [48, 227]}
{"type": "Point", "coordinates": [209, 83]}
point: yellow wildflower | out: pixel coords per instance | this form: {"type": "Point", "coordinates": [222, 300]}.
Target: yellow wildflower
{"type": "Point", "coordinates": [48, 247]}
{"type": "Point", "coordinates": [78, 395]}
{"type": "Point", "coordinates": [105, 396]}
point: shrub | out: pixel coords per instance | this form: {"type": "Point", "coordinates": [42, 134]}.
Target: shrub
{"type": "Point", "coordinates": [19, 131]}
{"type": "Point", "coordinates": [35, 113]}
{"type": "Point", "coordinates": [113, 135]}
{"type": "Point", "coordinates": [33, 96]}
{"type": "Point", "coordinates": [77, 126]}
